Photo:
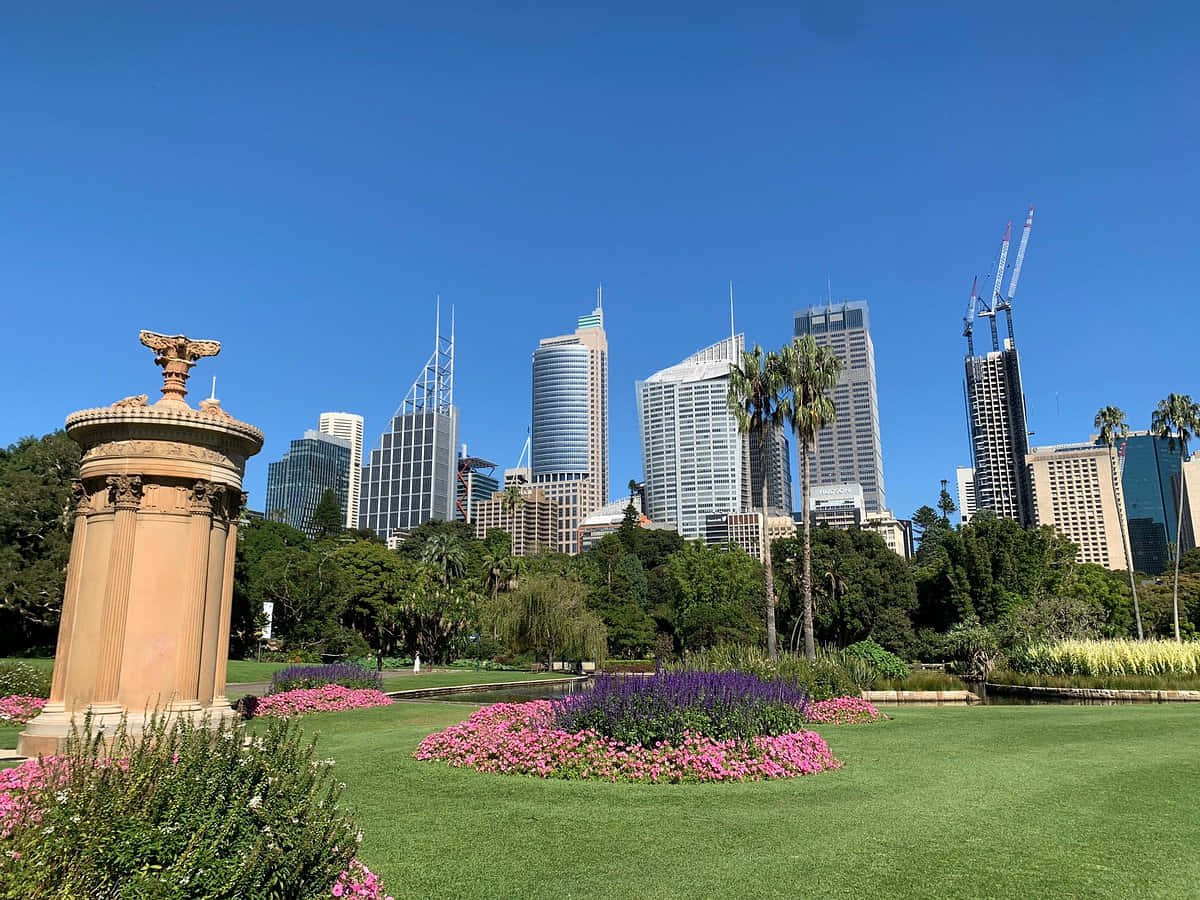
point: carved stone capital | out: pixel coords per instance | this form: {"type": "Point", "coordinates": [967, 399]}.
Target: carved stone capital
{"type": "Point", "coordinates": [125, 491]}
{"type": "Point", "coordinates": [176, 353]}
{"type": "Point", "coordinates": [206, 498]}
{"type": "Point", "coordinates": [80, 498]}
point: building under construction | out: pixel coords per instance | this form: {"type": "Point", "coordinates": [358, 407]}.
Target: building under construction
{"type": "Point", "coordinates": [996, 423]}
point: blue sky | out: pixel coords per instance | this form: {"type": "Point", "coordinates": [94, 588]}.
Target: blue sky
{"type": "Point", "coordinates": [299, 181]}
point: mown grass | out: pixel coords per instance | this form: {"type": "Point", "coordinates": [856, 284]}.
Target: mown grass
{"type": "Point", "coordinates": [1046, 801]}
{"type": "Point", "coordinates": [8, 736]}
{"type": "Point", "coordinates": [456, 677]}
{"type": "Point", "coordinates": [1108, 682]}
{"type": "Point", "coordinates": [237, 672]}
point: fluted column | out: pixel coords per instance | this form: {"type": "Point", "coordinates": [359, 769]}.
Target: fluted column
{"type": "Point", "coordinates": [236, 505]}
{"type": "Point", "coordinates": [125, 494]}
{"type": "Point", "coordinates": [70, 596]}
{"type": "Point", "coordinates": [195, 586]}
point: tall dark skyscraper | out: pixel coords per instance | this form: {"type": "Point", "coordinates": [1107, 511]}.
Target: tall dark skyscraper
{"type": "Point", "coordinates": [411, 477]}
{"type": "Point", "coordinates": [995, 397]}
{"type": "Point", "coordinates": [312, 465]}
{"type": "Point", "coordinates": [1150, 480]}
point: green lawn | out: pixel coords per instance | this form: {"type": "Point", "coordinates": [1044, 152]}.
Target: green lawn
{"type": "Point", "coordinates": [8, 736]}
{"type": "Point", "coordinates": [453, 677]}
{"type": "Point", "coordinates": [238, 671]}
{"type": "Point", "coordinates": [1046, 801]}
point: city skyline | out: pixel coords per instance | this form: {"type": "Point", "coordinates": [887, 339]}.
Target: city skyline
{"type": "Point", "coordinates": [327, 182]}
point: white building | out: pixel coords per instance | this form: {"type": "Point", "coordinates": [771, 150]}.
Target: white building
{"type": "Point", "coordinates": [849, 450]}
{"type": "Point", "coordinates": [349, 427]}
{"type": "Point", "coordinates": [838, 505]}
{"type": "Point", "coordinates": [696, 462]}
{"type": "Point", "coordinates": [965, 476]}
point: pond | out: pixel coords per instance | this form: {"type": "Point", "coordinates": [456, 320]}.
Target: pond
{"type": "Point", "coordinates": [506, 694]}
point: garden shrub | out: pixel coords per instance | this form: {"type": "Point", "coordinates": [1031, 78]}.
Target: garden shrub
{"type": "Point", "coordinates": [827, 677]}
{"type": "Point", "coordinates": [885, 663]}
{"type": "Point", "coordinates": [628, 665]}
{"type": "Point", "coordinates": [346, 674]}
{"type": "Point", "coordinates": [24, 679]}
{"type": "Point", "coordinates": [1111, 657]}
{"type": "Point", "coordinates": [17, 709]}
{"type": "Point", "coordinates": [181, 811]}
{"type": "Point", "coordinates": [646, 710]}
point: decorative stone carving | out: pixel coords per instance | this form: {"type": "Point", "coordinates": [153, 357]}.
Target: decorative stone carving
{"type": "Point", "coordinates": [161, 449]}
{"type": "Point", "coordinates": [124, 491]}
{"type": "Point", "coordinates": [80, 498]}
{"type": "Point", "coordinates": [176, 354]}
{"type": "Point", "coordinates": [136, 400]}
{"type": "Point", "coordinates": [212, 407]}
{"type": "Point", "coordinates": [207, 497]}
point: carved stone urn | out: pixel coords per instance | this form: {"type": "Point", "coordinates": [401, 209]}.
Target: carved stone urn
{"type": "Point", "coordinates": [145, 614]}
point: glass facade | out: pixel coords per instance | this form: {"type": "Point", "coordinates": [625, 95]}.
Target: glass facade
{"type": "Point", "coordinates": [561, 409]}
{"type": "Point", "coordinates": [296, 483]}
{"type": "Point", "coordinates": [1150, 479]}
{"type": "Point", "coordinates": [410, 478]}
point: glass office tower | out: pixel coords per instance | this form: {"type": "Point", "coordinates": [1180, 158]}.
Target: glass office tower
{"type": "Point", "coordinates": [1150, 480]}
{"type": "Point", "coordinates": [295, 484]}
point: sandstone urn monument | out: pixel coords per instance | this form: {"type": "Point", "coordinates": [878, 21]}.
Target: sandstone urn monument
{"type": "Point", "coordinates": [145, 614]}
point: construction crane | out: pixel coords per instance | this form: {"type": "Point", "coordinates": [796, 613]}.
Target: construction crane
{"type": "Point", "coordinates": [969, 318]}
{"type": "Point", "coordinates": [1006, 304]}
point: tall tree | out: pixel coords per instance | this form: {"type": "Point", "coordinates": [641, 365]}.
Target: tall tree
{"type": "Point", "coordinates": [36, 519]}
{"type": "Point", "coordinates": [945, 503]}
{"type": "Point", "coordinates": [327, 518]}
{"type": "Point", "coordinates": [548, 616]}
{"type": "Point", "coordinates": [374, 585]}
{"type": "Point", "coordinates": [809, 372]}
{"type": "Point", "coordinates": [756, 388]}
{"type": "Point", "coordinates": [446, 557]}
{"type": "Point", "coordinates": [1177, 418]}
{"type": "Point", "coordinates": [1113, 427]}
{"type": "Point", "coordinates": [511, 502]}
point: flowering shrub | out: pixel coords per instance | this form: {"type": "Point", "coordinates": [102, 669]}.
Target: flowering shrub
{"type": "Point", "coordinates": [24, 679]}
{"type": "Point", "coordinates": [327, 698]}
{"type": "Point", "coordinates": [345, 674]}
{"type": "Point", "coordinates": [842, 711]}
{"type": "Point", "coordinates": [18, 710]}
{"type": "Point", "coordinates": [181, 811]}
{"type": "Point", "coordinates": [635, 709]}
{"type": "Point", "coordinates": [522, 738]}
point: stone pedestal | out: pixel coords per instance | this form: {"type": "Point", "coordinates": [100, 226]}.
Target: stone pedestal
{"type": "Point", "coordinates": [145, 616]}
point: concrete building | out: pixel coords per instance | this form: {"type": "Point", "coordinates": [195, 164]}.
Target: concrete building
{"type": "Point", "coordinates": [474, 484]}
{"type": "Point", "coordinates": [779, 472]}
{"type": "Point", "coordinates": [410, 477]}
{"type": "Point", "coordinates": [896, 533]}
{"type": "Point", "coordinates": [569, 438]}
{"type": "Point", "coordinates": [999, 435]}
{"type": "Point", "coordinates": [312, 465]}
{"type": "Point", "coordinates": [1150, 478]}
{"type": "Point", "coordinates": [965, 476]}
{"type": "Point", "coordinates": [850, 449]}
{"type": "Point", "coordinates": [838, 505]}
{"type": "Point", "coordinates": [1191, 493]}
{"type": "Point", "coordinates": [696, 462]}
{"type": "Point", "coordinates": [1076, 489]}
{"type": "Point", "coordinates": [349, 427]}
{"type": "Point", "coordinates": [607, 520]}
{"type": "Point", "coordinates": [532, 524]}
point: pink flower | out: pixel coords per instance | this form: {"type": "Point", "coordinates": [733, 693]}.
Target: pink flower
{"type": "Point", "coordinates": [842, 711]}
{"type": "Point", "coordinates": [329, 697]}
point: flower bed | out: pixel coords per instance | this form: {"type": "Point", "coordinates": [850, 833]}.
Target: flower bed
{"type": "Point", "coordinates": [328, 698]}
{"type": "Point", "coordinates": [842, 711]}
{"type": "Point", "coordinates": [346, 674]}
{"type": "Point", "coordinates": [522, 738]}
{"type": "Point", "coordinates": [18, 709]}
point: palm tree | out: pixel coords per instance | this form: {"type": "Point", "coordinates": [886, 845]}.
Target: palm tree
{"type": "Point", "coordinates": [1113, 427]}
{"type": "Point", "coordinates": [446, 556]}
{"type": "Point", "coordinates": [1176, 418]}
{"type": "Point", "coordinates": [755, 390]}
{"type": "Point", "coordinates": [497, 571]}
{"type": "Point", "coordinates": [809, 373]}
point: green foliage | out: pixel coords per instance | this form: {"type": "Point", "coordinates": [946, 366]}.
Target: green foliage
{"type": "Point", "coordinates": [1165, 682]}
{"type": "Point", "coordinates": [190, 813]}
{"type": "Point", "coordinates": [24, 679]}
{"type": "Point", "coordinates": [1120, 657]}
{"type": "Point", "coordinates": [446, 556]}
{"type": "Point", "coordinates": [548, 616]}
{"type": "Point", "coordinates": [328, 518]}
{"type": "Point", "coordinates": [861, 588]}
{"type": "Point", "coordinates": [256, 539]}
{"type": "Point", "coordinates": [885, 664]}
{"type": "Point", "coordinates": [36, 520]}
{"type": "Point", "coordinates": [374, 590]}
{"type": "Point", "coordinates": [720, 595]}
{"type": "Point", "coordinates": [1189, 563]}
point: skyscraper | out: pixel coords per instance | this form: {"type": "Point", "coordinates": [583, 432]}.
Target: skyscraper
{"type": "Point", "coordinates": [348, 426]}
{"type": "Point", "coordinates": [1075, 489]}
{"type": "Point", "coordinates": [779, 472]}
{"type": "Point", "coordinates": [312, 465]}
{"type": "Point", "coordinates": [995, 398]}
{"type": "Point", "coordinates": [695, 460]}
{"type": "Point", "coordinates": [849, 450]}
{"type": "Point", "coordinates": [1150, 479]}
{"type": "Point", "coordinates": [410, 477]}
{"type": "Point", "coordinates": [569, 441]}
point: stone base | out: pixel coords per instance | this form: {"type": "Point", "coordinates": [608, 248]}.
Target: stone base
{"type": "Point", "coordinates": [47, 733]}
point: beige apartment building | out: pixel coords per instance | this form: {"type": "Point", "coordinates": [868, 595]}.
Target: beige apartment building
{"type": "Point", "coordinates": [532, 524]}
{"type": "Point", "coordinates": [1076, 488]}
